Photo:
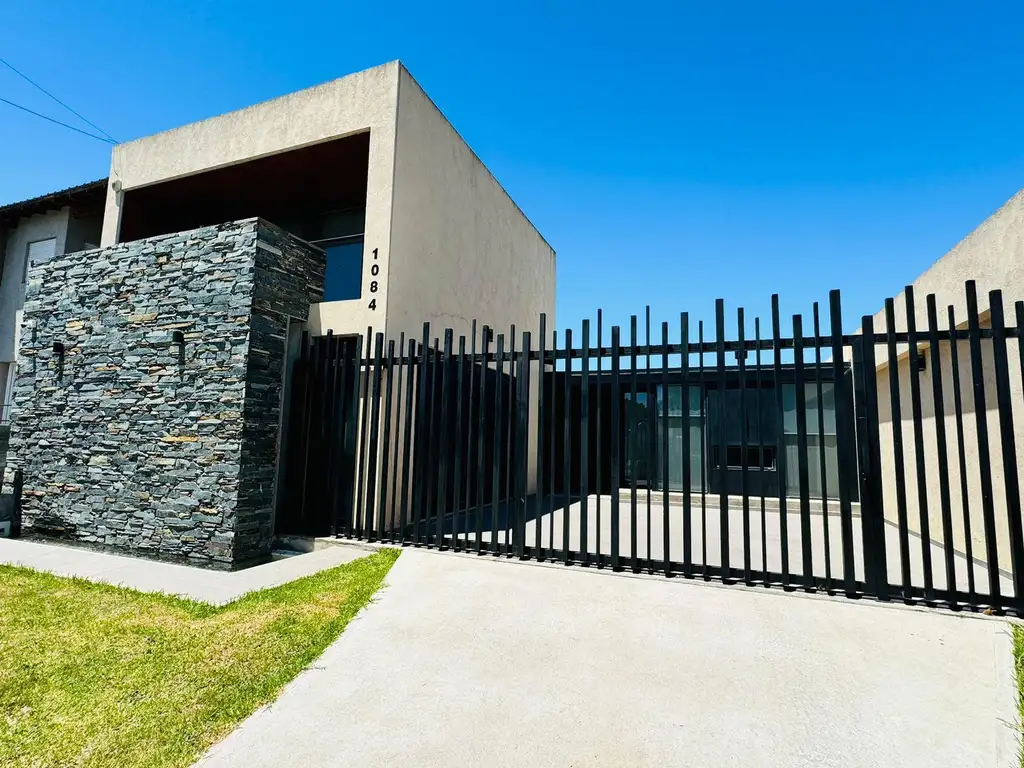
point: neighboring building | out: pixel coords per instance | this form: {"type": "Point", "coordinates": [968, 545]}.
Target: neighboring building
{"type": "Point", "coordinates": [992, 256]}
{"type": "Point", "coordinates": [148, 403]}
{"type": "Point", "coordinates": [32, 232]}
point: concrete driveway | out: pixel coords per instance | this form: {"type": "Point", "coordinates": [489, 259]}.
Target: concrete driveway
{"type": "Point", "coordinates": [467, 661]}
{"type": "Point", "coordinates": [765, 540]}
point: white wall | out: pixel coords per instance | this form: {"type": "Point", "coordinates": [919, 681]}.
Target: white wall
{"type": "Point", "coordinates": [12, 289]}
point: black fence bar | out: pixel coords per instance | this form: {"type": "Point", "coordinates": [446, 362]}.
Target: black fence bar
{"type": "Point", "coordinates": [499, 366]}
{"type": "Point", "coordinates": [1008, 446]}
{"type": "Point", "coordinates": [961, 455]}
{"type": "Point", "coordinates": [567, 451]}
{"type": "Point", "coordinates": [938, 408]}
{"type": "Point", "coordinates": [614, 448]}
{"type": "Point", "coordinates": [984, 454]}
{"type": "Point", "coordinates": [372, 454]}
{"type": "Point", "coordinates": [481, 438]}
{"type": "Point", "coordinates": [631, 446]}
{"type": "Point", "coordinates": [1018, 308]}
{"type": "Point", "coordinates": [723, 441]}
{"type": "Point", "coordinates": [458, 510]}
{"type": "Point", "coordinates": [472, 402]}
{"type": "Point", "coordinates": [651, 461]}
{"type": "Point", "coordinates": [666, 538]}
{"type": "Point", "coordinates": [872, 514]}
{"type": "Point", "coordinates": [304, 408]}
{"type": "Point", "coordinates": [896, 420]}
{"type": "Point", "coordinates": [509, 442]}
{"type": "Point", "coordinates": [431, 458]}
{"type": "Point", "coordinates": [330, 426]}
{"type": "Point", "coordinates": [551, 442]}
{"type": "Point", "coordinates": [400, 365]}
{"type": "Point", "coordinates": [540, 506]}
{"type": "Point", "coordinates": [385, 454]}
{"type": "Point", "coordinates": [919, 456]}
{"type": "Point", "coordinates": [759, 391]}
{"type": "Point", "coordinates": [703, 455]}
{"type": "Point", "coordinates": [819, 389]}
{"type": "Point", "coordinates": [802, 471]}
{"type": "Point", "coordinates": [845, 441]}
{"type": "Point", "coordinates": [780, 454]}
{"type": "Point", "coordinates": [741, 364]}
{"type": "Point", "coordinates": [684, 365]}
{"type": "Point", "coordinates": [585, 442]}
{"type": "Point", "coordinates": [410, 394]}
{"type": "Point", "coordinates": [421, 441]}
{"type": "Point", "coordinates": [599, 458]}
{"type": "Point", "coordinates": [522, 444]}
{"type": "Point", "coordinates": [363, 416]}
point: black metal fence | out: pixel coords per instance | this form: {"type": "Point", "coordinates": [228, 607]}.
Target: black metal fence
{"type": "Point", "coordinates": [877, 463]}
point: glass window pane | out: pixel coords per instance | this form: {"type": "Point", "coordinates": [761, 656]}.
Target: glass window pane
{"type": "Point", "coordinates": [344, 271]}
{"type": "Point", "coordinates": [789, 409]}
{"type": "Point", "coordinates": [694, 403]}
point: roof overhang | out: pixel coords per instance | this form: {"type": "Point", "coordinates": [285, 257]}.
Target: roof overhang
{"type": "Point", "coordinates": [90, 196]}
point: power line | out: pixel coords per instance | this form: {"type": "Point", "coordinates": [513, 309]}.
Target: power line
{"type": "Point", "coordinates": [69, 109]}
{"type": "Point", "coordinates": [58, 122]}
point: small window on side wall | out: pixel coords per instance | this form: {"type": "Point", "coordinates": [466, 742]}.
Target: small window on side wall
{"type": "Point", "coordinates": [344, 278]}
{"type": "Point", "coordinates": [39, 252]}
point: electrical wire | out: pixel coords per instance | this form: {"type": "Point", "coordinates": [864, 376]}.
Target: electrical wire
{"type": "Point", "coordinates": [58, 122]}
{"type": "Point", "coordinates": [69, 109]}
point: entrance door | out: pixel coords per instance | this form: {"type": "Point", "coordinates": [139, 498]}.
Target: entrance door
{"type": "Point", "coordinates": [320, 448]}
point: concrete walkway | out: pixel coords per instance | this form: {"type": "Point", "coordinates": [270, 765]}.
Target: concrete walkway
{"type": "Point", "coordinates": [215, 587]}
{"type": "Point", "coordinates": [466, 661]}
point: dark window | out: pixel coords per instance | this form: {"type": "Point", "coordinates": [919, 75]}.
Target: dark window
{"type": "Point", "coordinates": [756, 457]}
{"type": "Point", "coordinates": [344, 277]}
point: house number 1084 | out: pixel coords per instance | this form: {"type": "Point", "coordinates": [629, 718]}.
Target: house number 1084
{"type": "Point", "coordinates": [374, 271]}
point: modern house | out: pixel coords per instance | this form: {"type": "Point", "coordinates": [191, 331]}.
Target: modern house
{"type": "Point", "coordinates": [158, 320]}
{"type": "Point", "coordinates": [147, 404]}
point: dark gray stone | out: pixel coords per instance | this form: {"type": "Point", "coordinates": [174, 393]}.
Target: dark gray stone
{"type": "Point", "coordinates": [130, 443]}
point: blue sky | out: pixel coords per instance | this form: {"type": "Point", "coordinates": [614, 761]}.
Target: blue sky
{"type": "Point", "coordinates": [671, 152]}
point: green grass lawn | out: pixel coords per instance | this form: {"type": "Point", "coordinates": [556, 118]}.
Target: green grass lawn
{"type": "Point", "coordinates": [94, 675]}
{"type": "Point", "coordinates": [1018, 663]}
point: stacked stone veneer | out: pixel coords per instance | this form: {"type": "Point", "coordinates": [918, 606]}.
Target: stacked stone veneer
{"type": "Point", "coordinates": [132, 441]}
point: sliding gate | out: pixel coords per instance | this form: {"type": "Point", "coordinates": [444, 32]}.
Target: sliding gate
{"type": "Point", "coordinates": [880, 463]}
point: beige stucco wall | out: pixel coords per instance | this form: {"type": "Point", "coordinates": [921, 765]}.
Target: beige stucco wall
{"type": "Point", "coordinates": [363, 101]}
{"type": "Point", "coordinates": [461, 249]}
{"type": "Point", "coordinates": [993, 256]}
{"type": "Point", "coordinates": [12, 291]}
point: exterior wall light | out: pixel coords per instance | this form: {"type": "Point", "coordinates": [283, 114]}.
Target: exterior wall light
{"type": "Point", "coordinates": [58, 348]}
{"type": "Point", "coordinates": [177, 337]}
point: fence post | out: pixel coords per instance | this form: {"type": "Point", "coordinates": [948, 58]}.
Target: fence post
{"type": "Point", "coordinates": [614, 451]}
{"type": "Point", "coordinates": [523, 446]}
{"type": "Point", "coordinates": [1008, 444]}
{"type": "Point", "coordinates": [845, 440]}
{"type": "Point", "coordinates": [865, 406]}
